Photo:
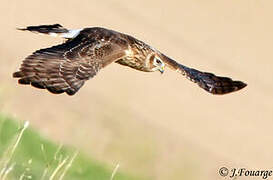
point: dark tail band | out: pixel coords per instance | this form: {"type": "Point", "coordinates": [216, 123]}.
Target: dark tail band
{"type": "Point", "coordinates": [45, 29]}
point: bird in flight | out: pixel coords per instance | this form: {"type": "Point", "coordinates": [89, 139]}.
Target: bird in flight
{"type": "Point", "coordinates": [66, 67]}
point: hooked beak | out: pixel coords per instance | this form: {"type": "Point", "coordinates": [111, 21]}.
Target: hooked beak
{"type": "Point", "coordinates": [161, 69]}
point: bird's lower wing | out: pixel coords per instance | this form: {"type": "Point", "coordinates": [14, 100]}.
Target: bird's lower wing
{"type": "Point", "coordinates": [65, 67]}
{"type": "Point", "coordinates": [208, 81]}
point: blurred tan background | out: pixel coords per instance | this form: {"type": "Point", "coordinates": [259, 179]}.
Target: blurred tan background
{"type": "Point", "coordinates": [159, 127]}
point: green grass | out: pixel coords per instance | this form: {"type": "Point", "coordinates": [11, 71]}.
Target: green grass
{"type": "Point", "coordinates": [36, 157]}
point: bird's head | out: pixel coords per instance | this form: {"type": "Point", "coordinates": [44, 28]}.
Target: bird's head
{"type": "Point", "coordinates": [156, 63]}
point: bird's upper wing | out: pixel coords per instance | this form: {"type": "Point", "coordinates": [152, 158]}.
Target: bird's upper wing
{"type": "Point", "coordinates": [65, 67]}
{"type": "Point", "coordinates": [208, 81]}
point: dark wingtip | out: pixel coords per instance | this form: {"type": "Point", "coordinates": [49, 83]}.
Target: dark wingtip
{"type": "Point", "coordinates": [55, 90]}
{"type": "Point", "coordinates": [240, 84]}
{"type": "Point", "coordinates": [38, 85]}
{"type": "Point", "coordinates": [227, 87]}
{"type": "Point", "coordinates": [17, 74]}
{"type": "Point", "coordinates": [70, 92]}
{"type": "Point", "coordinates": [24, 81]}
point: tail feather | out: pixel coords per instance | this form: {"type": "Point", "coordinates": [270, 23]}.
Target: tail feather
{"type": "Point", "coordinates": [45, 29]}
{"type": "Point", "coordinates": [53, 30]}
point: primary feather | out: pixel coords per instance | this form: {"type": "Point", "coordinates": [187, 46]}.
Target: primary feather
{"type": "Point", "coordinates": [65, 67]}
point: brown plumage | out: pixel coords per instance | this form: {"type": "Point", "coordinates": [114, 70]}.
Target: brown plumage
{"type": "Point", "coordinates": [66, 67]}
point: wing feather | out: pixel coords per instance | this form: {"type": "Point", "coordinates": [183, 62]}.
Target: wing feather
{"type": "Point", "coordinates": [207, 81]}
{"type": "Point", "coordinates": [66, 67]}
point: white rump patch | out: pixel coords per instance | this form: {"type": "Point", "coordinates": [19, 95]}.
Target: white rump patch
{"type": "Point", "coordinates": [69, 35]}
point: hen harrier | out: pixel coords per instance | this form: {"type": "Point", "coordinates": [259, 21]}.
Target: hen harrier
{"type": "Point", "coordinates": [65, 67]}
